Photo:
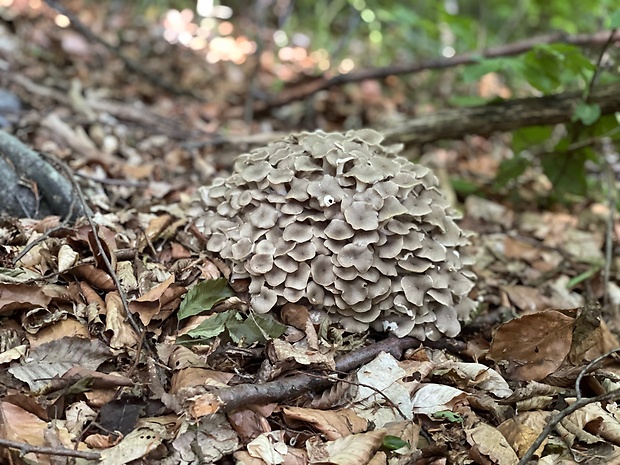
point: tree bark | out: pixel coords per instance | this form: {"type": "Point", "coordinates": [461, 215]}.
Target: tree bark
{"type": "Point", "coordinates": [31, 186]}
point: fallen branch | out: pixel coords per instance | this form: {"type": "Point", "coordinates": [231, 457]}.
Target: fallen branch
{"type": "Point", "coordinates": [459, 122]}
{"type": "Point", "coordinates": [231, 398]}
{"type": "Point", "coordinates": [501, 116]}
{"type": "Point", "coordinates": [50, 194]}
{"type": "Point", "coordinates": [307, 89]}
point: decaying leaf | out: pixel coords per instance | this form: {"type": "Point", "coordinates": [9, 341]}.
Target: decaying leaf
{"type": "Point", "coordinates": [534, 345]}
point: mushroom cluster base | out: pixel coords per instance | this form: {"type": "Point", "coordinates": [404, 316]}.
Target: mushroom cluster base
{"type": "Point", "coordinates": [344, 225]}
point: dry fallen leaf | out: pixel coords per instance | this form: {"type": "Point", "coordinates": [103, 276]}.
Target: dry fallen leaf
{"type": "Point", "coordinates": [334, 424]}
{"type": "Point", "coordinates": [533, 346]}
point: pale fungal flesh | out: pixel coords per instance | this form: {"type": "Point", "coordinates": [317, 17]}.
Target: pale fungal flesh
{"type": "Point", "coordinates": [344, 225]}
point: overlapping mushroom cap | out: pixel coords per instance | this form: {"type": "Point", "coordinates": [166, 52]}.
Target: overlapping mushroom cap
{"type": "Point", "coordinates": [342, 223]}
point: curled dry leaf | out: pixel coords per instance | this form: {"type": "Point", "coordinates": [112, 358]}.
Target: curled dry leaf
{"type": "Point", "coordinates": [334, 424]}
{"type": "Point", "coordinates": [433, 398]}
{"type": "Point", "coordinates": [487, 441]}
{"type": "Point", "coordinates": [123, 335]}
{"type": "Point", "coordinates": [478, 375]}
{"type": "Point", "coordinates": [270, 447]}
{"type": "Point", "coordinates": [95, 277]}
{"type": "Point", "coordinates": [281, 351]}
{"type": "Point", "coordinates": [350, 450]}
{"type": "Point", "coordinates": [523, 430]}
{"type": "Point", "coordinates": [67, 257]}
{"type": "Point", "coordinates": [21, 296]}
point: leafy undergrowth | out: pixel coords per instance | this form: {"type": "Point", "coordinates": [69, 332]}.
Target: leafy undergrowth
{"type": "Point", "coordinates": [122, 341]}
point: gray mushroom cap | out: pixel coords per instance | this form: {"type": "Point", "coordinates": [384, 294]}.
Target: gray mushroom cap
{"type": "Point", "coordinates": [343, 224]}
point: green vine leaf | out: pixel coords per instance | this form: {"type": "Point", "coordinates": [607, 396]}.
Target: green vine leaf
{"type": "Point", "coordinates": [587, 113]}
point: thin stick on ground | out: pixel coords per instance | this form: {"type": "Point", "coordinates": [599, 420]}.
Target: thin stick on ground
{"type": "Point", "coordinates": [132, 321]}
{"type": "Point", "coordinates": [580, 402]}
{"type": "Point", "coordinates": [25, 448]}
{"type": "Point", "coordinates": [230, 398]}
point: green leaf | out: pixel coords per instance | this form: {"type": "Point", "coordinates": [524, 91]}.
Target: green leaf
{"type": "Point", "coordinates": [566, 171]}
{"type": "Point", "coordinates": [526, 138]}
{"type": "Point", "coordinates": [474, 72]}
{"type": "Point", "coordinates": [467, 100]}
{"type": "Point", "coordinates": [587, 113]}
{"type": "Point", "coordinates": [464, 187]}
{"type": "Point", "coordinates": [210, 328]}
{"type": "Point", "coordinates": [255, 328]}
{"type": "Point", "coordinates": [394, 442]}
{"type": "Point", "coordinates": [614, 21]}
{"type": "Point", "coordinates": [81, 386]}
{"type": "Point", "coordinates": [547, 66]}
{"type": "Point", "coordinates": [511, 169]}
{"type": "Point", "coordinates": [583, 276]}
{"type": "Point", "coordinates": [447, 415]}
{"type": "Point", "coordinates": [203, 296]}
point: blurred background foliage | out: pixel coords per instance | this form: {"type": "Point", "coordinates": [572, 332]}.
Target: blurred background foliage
{"type": "Point", "coordinates": [297, 40]}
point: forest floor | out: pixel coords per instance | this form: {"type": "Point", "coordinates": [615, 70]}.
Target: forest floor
{"type": "Point", "coordinates": [86, 379]}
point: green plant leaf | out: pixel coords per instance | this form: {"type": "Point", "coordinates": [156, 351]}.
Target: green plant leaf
{"type": "Point", "coordinates": [81, 386]}
{"type": "Point", "coordinates": [583, 276]}
{"type": "Point", "coordinates": [448, 415]}
{"type": "Point", "coordinates": [587, 113]}
{"type": "Point", "coordinates": [255, 328]}
{"type": "Point", "coordinates": [526, 138]}
{"type": "Point", "coordinates": [510, 169]}
{"type": "Point", "coordinates": [474, 72]}
{"type": "Point", "coordinates": [614, 21]}
{"type": "Point", "coordinates": [464, 187]}
{"type": "Point", "coordinates": [210, 328]}
{"type": "Point", "coordinates": [566, 171]}
{"type": "Point", "coordinates": [203, 296]}
{"type": "Point", "coordinates": [547, 66]}
{"type": "Point", "coordinates": [394, 443]}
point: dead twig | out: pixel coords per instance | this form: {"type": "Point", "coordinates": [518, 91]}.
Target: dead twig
{"type": "Point", "coordinates": [25, 448]}
{"type": "Point", "coordinates": [132, 321]}
{"type": "Point", "coordinates": [357, 383]}
{"type": "Point", "coordinates": [580, 402]}
{"type": "Point", "coordinates": [309, 88]}
{"type": "Point", "coordinates": [500, 116]}
{"type": "Point", "coordinates": [231, 398]}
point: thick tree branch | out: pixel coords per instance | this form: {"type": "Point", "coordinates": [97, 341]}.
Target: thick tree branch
{"type": "Point", "coordinates": [52, 194]}
{"type": "Point", "coordinates": [501, 116]}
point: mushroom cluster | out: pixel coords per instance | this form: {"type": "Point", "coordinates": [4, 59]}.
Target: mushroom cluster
{"type": "Point", "coordinates": [340, 222]}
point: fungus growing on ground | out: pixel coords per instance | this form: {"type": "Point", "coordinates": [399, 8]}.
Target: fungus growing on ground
{"type": "Point", "coordinates": [344, 225]}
